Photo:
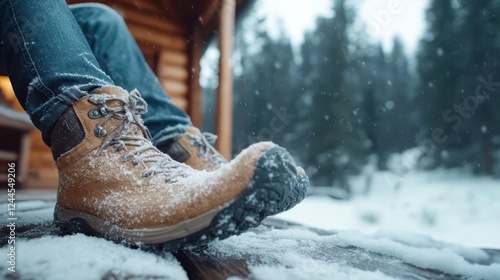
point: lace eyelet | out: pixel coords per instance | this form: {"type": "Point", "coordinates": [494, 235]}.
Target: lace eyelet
{"type": "Point", "coordinates": [99, 131]}
{"type": "Point", "coordinates": [97, 113]}
{"type": "Point", "coordinates": [94, 114]}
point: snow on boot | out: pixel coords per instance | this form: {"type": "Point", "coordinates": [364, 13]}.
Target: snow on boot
{"type": "Point", "coordinates": [114, 183]}
{"type": "Point", "coordinates": [196, 150]}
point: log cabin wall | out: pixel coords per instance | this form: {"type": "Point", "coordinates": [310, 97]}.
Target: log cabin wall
{"type": "Point", "coordinates": [168, 51]}
{"type": "Point", "coordinates": [42, 171]}
{"type": "Point", "coordinates": [163, 39]}
{"type": "Point", "coordinates": [172, 35]}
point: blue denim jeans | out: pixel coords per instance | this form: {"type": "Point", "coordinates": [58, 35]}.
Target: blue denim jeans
{"type": "Point", "coordinates": [55, 55]}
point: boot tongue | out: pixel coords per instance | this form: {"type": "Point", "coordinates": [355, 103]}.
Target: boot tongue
{"type": "Point", "coordinates": [193, 130]}
{"type": "Point", "coordinates": [115, 98]}
{"type": "Point", "coordinates": [112, 91]}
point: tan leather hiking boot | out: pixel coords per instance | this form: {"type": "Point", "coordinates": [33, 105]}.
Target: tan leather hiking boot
{"type": "Point", "coordinates": [196, 150]}
{"type": "Point", "coordinates": [114, 183]}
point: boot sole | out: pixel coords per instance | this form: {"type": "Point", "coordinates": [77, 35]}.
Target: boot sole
{"type": "Point", "coordinates": [268, 192]}
{"type": "Point", "coordinates": [297, 194]}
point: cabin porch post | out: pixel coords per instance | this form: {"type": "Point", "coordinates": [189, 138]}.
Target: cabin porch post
{"type": "Point", "coordinates": [224, 117]}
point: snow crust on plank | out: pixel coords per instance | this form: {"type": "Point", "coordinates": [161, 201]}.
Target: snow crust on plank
{"type": "Point", "coordinates": [270, 254]}
{"type": "Point", "coordinates": [314, 270]}
{"type": "Point", "coordinates": [83, 257]}
{"type": "Point", "coordinates": [441, 258]}
{"type": "Point", "coordinates": [33, 212]}
{"type": "Point", "coordinates": [448, 205]}
{"type": "Point", "coordinates": [297, 253]}
{"type": "Point", "coordinates": [300, 254]}
{"type": "Point", "coordinates": [473, 255]}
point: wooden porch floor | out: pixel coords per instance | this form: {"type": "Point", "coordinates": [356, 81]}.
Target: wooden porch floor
{"type": "Point", "coordinates": [35, 221]}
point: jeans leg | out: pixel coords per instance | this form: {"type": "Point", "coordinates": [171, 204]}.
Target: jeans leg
{"type": "Point", "coordinates": [48, 59]}
{"type": "Point", "coordinates": [120, 57]}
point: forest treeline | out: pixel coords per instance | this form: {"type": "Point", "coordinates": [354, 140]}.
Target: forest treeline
{"type": "Point", "coordinates": [341, 99]}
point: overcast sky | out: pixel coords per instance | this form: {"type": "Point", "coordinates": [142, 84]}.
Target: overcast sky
{"type": "Point", "coordinates": [384, 18]}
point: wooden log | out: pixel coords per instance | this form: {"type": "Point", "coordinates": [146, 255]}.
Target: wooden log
{"type": "Point", "coordinates": [41, 159]}
{"type": "Point", "coordinates": [131, 14]}
{"type": "Point", "coordinates": [223, 125]}
{"type": "Point", "coordinates": [150, 53]}
{"type": "Point", "coordinates": [174, 88]}
{"type": "Point", "coordinates": [148, 49]}
{"type": "Point", "coordinates": [170, 72]}
{"type": "Point", "coordinates": [176, 11]}
{"type": "Point", "coordinates": [180, 102]}
{"type": "Point", "coordinates": [165, 40]}
{"type": "Point", "coordinates": [151, 7]}
{"type": "Point", "coordinates": [177, 58]}
{"type": "Point", "coordinates": [42, 178]}
{"type": "Point", "coordinates": [37, 142]}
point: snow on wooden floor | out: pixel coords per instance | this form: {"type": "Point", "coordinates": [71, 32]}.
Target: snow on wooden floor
{"type": "Point", "coordinates": [430, 226]}
{"type": "Point", "coordinates": [450, 206]}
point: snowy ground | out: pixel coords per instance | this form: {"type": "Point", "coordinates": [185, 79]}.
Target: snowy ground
{"type": "Point", "coordinates": [434, 221]}
{"type": "Point", "coordinates": [446, 205]}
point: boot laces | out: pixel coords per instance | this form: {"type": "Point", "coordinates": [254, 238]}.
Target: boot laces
{"type": "Point", "coordinates": [206, 151]}
{"type": "Point", "coordinates": [122, 136]}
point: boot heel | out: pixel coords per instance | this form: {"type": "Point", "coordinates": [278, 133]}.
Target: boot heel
{"type": "Point", "coordinates": [71, 225]}
{"type": "Point", "coordinates": [64, 227]}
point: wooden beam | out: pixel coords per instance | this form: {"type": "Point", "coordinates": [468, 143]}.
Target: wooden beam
{"type": "Point", "coordinates": [195, 110]}
{"type": "Point", "coordinates": [224, 118]}
{"type": "Point", "coordinates": [8, 156]}
{"type": "Point", "coordinates": [210, 11]}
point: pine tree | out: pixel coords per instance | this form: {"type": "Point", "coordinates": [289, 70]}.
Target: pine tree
{"type": "Point", "coordinates": [373, 72]}
{"type": "Point", "coordinates": [336, 142]}
{"type": "Point", "coordinates": [264, 93]}
{"type": "Point", "coordinates": [306, 79]}
{"type": "Point", "coordinates": [397, 108]}
{"type": "Point", "coordinates": [438, 67]}
{"type": "Point", "coordinates": [480, 52]}
{"type": "Point", "coordinates": [388, 113]}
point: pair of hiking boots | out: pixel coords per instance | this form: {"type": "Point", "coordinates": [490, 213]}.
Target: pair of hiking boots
{"type": "Point", "coordinates": [114, 183]}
